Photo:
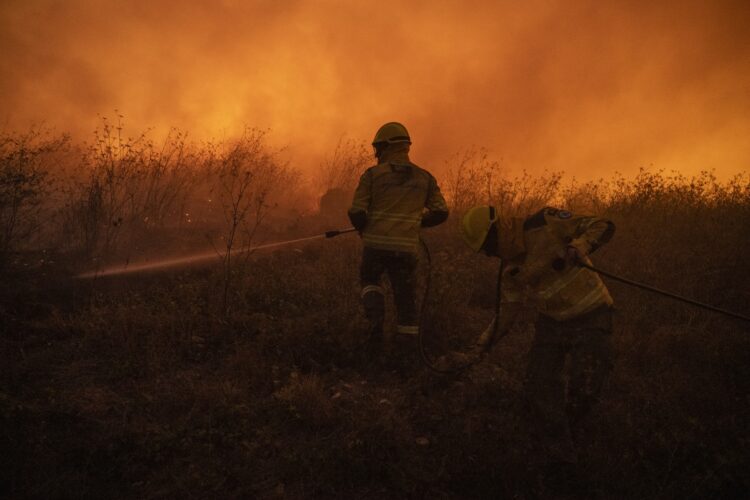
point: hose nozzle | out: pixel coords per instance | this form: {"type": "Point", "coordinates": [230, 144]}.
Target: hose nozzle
{"type": "Point", "coordinates": [336, 232]}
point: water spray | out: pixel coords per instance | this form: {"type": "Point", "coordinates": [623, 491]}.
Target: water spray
{"type": "Point", "coordinates": [200, 257]}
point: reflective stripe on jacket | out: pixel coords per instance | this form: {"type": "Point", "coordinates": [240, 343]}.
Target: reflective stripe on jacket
{"type": "Point", "coordinates": [570, 291]}
{"type": "Point", "coordinates": [394, 194]}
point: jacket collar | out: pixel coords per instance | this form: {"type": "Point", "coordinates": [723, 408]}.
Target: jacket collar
{"type": "Point", "coordinates": [396, 154]}
{"type": "Point", "coordinates": [510, 238]}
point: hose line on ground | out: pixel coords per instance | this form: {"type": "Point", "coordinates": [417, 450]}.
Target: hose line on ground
{"type": "Point", "coordinates": [422, 350]}
{"type": "Point", "coordinates": [496, 321]}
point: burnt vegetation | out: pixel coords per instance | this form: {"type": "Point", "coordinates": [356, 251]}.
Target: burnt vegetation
{"type": "Point", "coordinates": [245, 376]}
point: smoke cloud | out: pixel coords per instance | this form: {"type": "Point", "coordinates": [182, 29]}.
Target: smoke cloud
{"type": "Point", "coordinates": [589, 87]}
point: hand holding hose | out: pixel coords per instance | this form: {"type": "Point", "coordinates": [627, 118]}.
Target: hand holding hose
{"type": "Point", "coordinates": [572, 255]}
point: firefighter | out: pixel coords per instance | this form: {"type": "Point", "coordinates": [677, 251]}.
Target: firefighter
{"type": "Point", "coordinates": [393, 200]}
{"type": "Point", "coordinates": [539, 255]}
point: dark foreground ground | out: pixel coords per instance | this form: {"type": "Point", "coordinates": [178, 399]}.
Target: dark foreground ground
{"type": "Point", "coordinates": [142, 387]}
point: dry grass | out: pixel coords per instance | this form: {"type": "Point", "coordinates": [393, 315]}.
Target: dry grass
{"type": "Point", "coordinates": [144, 386]}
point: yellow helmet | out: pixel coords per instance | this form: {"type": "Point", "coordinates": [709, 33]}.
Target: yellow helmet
{"type": "Point", "coordinates": [391, 133]}
{"type": "Point", "coordinates": [476, 224]}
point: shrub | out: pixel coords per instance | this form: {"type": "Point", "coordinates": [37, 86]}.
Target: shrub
{"type": "Point", "coordinates": [24, 181]}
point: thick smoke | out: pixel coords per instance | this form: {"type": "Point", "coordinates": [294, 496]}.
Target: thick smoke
{"type": "Point", "coordinates": [589, 87]}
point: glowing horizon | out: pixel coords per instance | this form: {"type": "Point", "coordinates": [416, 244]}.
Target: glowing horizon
{"type": "Point", "coordinates": [584, 87]}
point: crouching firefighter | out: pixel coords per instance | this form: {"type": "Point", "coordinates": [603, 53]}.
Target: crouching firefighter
{"type": "Point", "coordinates": [393, 200]}
{"type": "Point", "coordinates": [539, 257]}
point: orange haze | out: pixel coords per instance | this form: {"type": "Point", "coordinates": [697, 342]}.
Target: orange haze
{"type": "Point", "coordinates": [586, 86]}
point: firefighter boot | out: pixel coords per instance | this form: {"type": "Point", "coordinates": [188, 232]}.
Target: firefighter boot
{"type": "Point", "coordinates": [404, 352]}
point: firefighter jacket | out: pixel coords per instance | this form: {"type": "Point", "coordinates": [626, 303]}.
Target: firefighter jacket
{"type": "Point", "coordinates": [389, 202]}
{"type": "Point", "coordinates": [539, 272]}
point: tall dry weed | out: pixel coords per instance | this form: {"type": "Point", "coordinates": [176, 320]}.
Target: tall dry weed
{"type": "Point", "coordinates": [127, 187]}
{"type": "Point", "coordinates": [26, 164]}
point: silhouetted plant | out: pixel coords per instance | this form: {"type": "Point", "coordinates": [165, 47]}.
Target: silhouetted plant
{"type": "Point", "coordinates": [247, 175]}
{"type": "Point", "coordinates": [24, 181]}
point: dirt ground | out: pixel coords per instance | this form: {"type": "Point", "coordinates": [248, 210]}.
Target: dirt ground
{"type": "Point", "coordinates": [136, 387]}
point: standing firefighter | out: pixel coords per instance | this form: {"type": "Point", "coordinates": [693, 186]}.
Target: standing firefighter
{"type": "Point", "coordinates": [388, 210]}
{"type": "Point", "coordinates": [539, 257]}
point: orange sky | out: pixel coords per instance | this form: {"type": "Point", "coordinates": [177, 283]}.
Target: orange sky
{"type": "Point", "coordinates": [590, 87]}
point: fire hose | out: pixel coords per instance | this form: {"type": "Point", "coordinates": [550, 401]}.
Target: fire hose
{"type": "Point", "coordinates": [665, 293]}
{"type": "Point", "coordinates": [496, 320]}
{"type": "Point", "coordinates": [429, 363]}
{"type": "Point", "coordinates": [494, 326]}
{"type": "Point", "coordinates": [422, 349]}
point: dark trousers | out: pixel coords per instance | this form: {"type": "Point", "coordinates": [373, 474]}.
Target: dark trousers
{"type": "Point", "coordinates": [559, 410]}
{"type": "Point", "coordinates": [401, 269]}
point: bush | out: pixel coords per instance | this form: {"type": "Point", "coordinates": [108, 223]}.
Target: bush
{"type": "Point", "coordinates": [26, 162]}
{"type": "Point", "coordinates": [151, 384]}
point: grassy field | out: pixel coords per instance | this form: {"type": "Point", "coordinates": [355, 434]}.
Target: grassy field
{"type": "Point", "coordinates": [245, 377]}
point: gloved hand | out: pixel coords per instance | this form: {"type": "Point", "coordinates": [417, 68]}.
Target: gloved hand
{"type": "Point", "coordinates": [568, 258]}
{"type": "Point", "coordinates": [358, 220]}
{"type": "Point", "coordinates": [572, 255]}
